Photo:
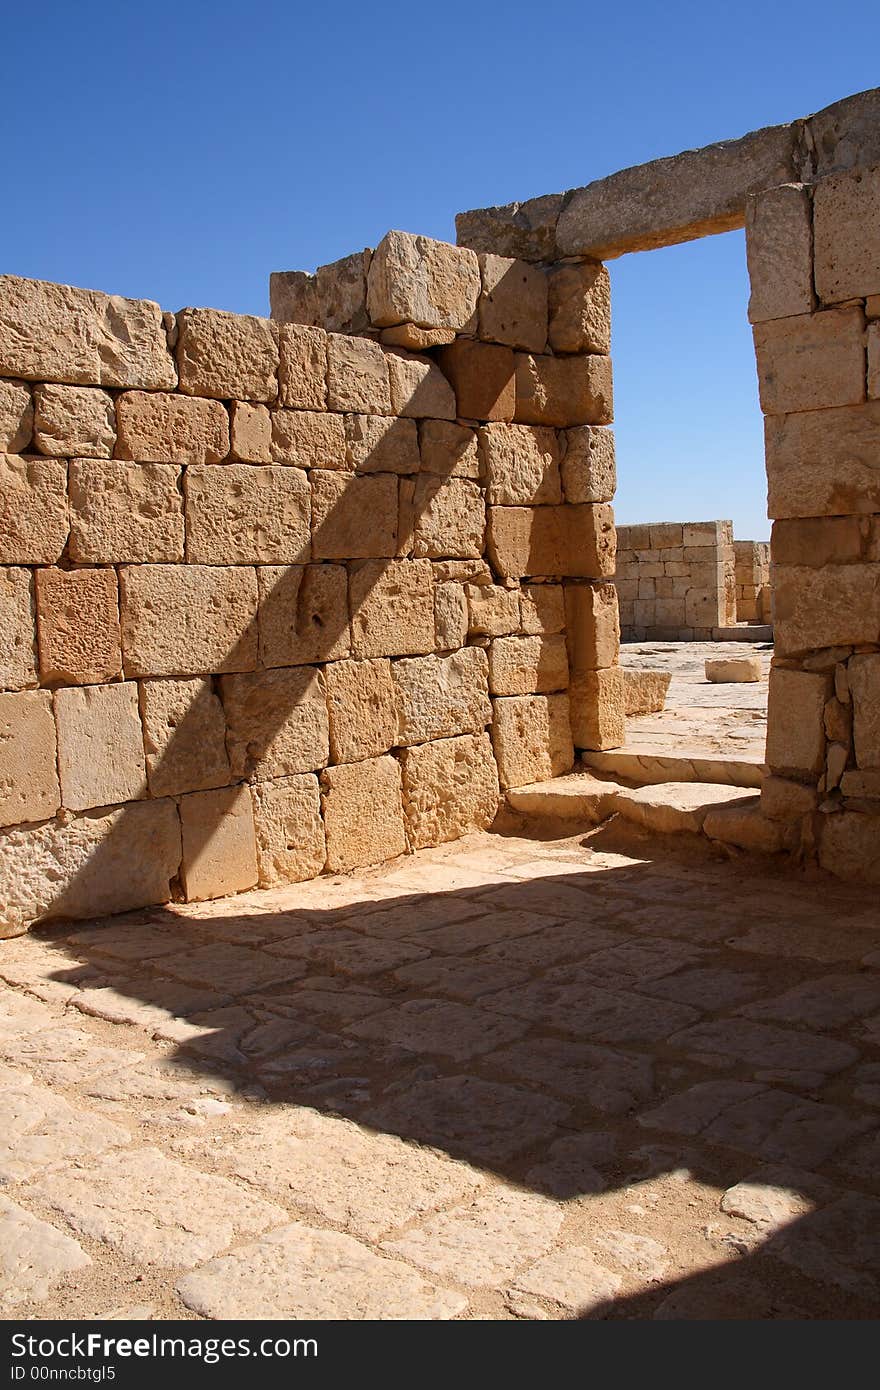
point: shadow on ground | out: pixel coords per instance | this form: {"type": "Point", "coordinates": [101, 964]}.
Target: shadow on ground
{"type": "Point", "coordinates": [574, 1028]}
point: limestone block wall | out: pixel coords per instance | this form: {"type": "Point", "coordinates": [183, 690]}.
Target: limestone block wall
{"type": "Point", "coordinates": [675, 580]}
{"type": "Point", "coordinates": [752, 571]}
{"type": "Point", "coordinates": [814, 260]}
{"type": "Point", "coordinates": [277, 598]}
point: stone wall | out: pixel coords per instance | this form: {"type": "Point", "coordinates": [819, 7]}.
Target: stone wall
{"type": "Point", "coordinates": [675, 580]}
{"type": "Point", "coordinates": [752, 573]}
{"type": "Point", "coordinates": [278, 600]}
{"type": "Point", "coordinates": [814, 261]}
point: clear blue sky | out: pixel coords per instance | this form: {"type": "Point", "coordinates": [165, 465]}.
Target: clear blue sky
{"type": "Point", "coordinates": [181, 151]}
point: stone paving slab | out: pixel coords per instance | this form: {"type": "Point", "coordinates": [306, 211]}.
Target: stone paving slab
{"type": "Point", "coordinates": [600, 1076]}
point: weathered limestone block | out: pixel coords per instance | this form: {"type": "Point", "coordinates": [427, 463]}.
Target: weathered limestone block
{"type": "Point", "coordinates": [247, 514]}
{"type": "Point", "coordinates": [184, 736]}
{"type": "Point", "coordinates": [416, 339]}
{"type": "Point", "coordinates": [589, 471]}
{"type": "Point", "coordinates": [567, 541]}
{"type": "Point", "coordinates": [363, 710]}
{"type": "Point", "coordinates": [542, 607]}
{"type": "Point", "coordinates": [733, 669]}
{"type": "Point", "coordinates": [125, 513]}
{"type": "Point", "coordinates": [419, 389]}
{"type": "Point", "coordinates": [450, 787]}
{"type": "Point", "coordinates": [392, 608]}
{"type": "Point", "coordinates": [276, 722]}
{"type": "Point", "coordinates": [33, 510]}
{"type": "Point", "coordinates": [863, 783]}
{"type": "Point", "coordinates": [380, 444]}
{"type": "Point", "coordinates": [100, 745]}
{"type": "Point", "coordinates": [308, 439]}
{"type": "Point", "coordinates": [674, 199]}
{"type": "Point", "coordinates": [303, 614]}
{"type": "Point", "coordinates": [580, 309]}
{"type": "Point", "coordinates": [563, 390]}
{"type": "Point", "coordinates": [849, 846]}
{"type": "Point", "coordinates": [521, 464]}
{"type": "Point", "coordinates": [483, 378]}
{"type": "Point", "coordinates": [531, 736]}
{"type": "Point", "coordinates": [28, 776]}
{"type": "Point", "coordinates": [513, 303]}
{"type": "Point", "coordinates": [450, 616]}
{"type": "Point", "coordinates": [846, 221]}
{"type": "Point", "coordinates": [335, 297]}
{"type": "Point", "coordinates": [250, 433]}
{"type": "Point", "coordinates": [524, 230]}
{"type": "Point", "coordinates": [443, 517]}
{"type": "Point", "coordinates": [357, 376]}
{"type": "Point", "coordinates": [157, 428]}
{"type": "Point", "coordinates": [592, 626]}
{"type": "Point", "coordinates": [864, 682]}
{"type": "Point", "coordinates": [91, 865]}
{"type": "Point", "coordinates": [462, 572]}
{"type": "Point", "coordinates": [831, 607]}
{"type": "Point", "coordinates": [353, 518]}
{"type": "Point", "coordinates": [824, 462]}
{"type": "Point", "coordinates": [18, 664]}
{"type": "Point", "coordinates": [363, 813]}
{"type": "Point", "coordinates": [413, 279]}
{"type": "Point", "coordinates": [58, 333]}
{"type": "Point", "coordinates": [786, 800]}
{"type": "Point", "coordinates": [449, 449]}
{"type": "Point", "coordinates": [180, 620]}
{"type": "Point", "coordinates": [78, 628]}
{"type": "Point", "coordinates": [438, 696]}
{"type": "Point", "coordinates": [644, 692]}
{"type": "Point", "coordinates": [811, 362]}
{"type": "Point", "coordinates": [289, 830]}
{"type": "Point", "coordinates": [795, 720]}
{"type": "Point", "coordinates": [779, 249]}
{"type": "Point", "coordinates": [74, 420]}
{"type": "Point", "coordinates": [227, 355]}
{"type": "Point", "coordinates": [527, 665]}
{"type": "Point", "coordinates": [818, 540]}
{"type": "Point", "coordinates": [16, 417]}
{"type": "Point", "coordinates": [302, 368]}
{"type": "Point", "coordinates": [597, 708]}
{"type": "Point", "coordinates": [219, 844]}
{"type": "Point", "coordinates": [874, 361]}
{"type": "Point", "coordinates": [493, 611]}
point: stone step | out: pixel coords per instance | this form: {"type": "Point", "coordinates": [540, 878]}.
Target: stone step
{"type": "Point", "coordinates": [577, 797]}
{"type": "Point", "coordinates": [669, 807]}
{"type": "Point", "coordinates": [646, 765]}
{"type": "Point", "coordinates": [744, 632]}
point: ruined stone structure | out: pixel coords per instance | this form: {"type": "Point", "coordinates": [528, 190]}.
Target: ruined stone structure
{"type": "Point", "coordinates": [675, 580]}
{"type": "Point", "coordinates": [280, 596]}
{"type": "Point", "coordinates": [752, 573]}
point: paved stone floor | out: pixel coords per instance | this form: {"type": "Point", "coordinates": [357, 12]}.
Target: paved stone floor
{"type": "Point", "coordinates": [605, 1076]}
{"type": "Point", "coordinates": [699, 716]}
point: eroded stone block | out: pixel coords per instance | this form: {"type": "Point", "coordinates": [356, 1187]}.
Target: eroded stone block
{"type": "Point", "coordinates": [812, 361]}
{"type": "Point", "coordinates": [527, 665]}
{"type": "Point", "coordinates": [227, 355]}
{"type": "Point", "coordinates": [18, 665]}
{"type": "Point", "coordinates": [419, 389]}
{"type": "Point", "coordinates": [184, 736]}
{"type": "Point", "coordinates": [795, 720]}
{"type": "Point", "coordinates": [363, 710]}
{"type": "Point", "coordinates": [450, 787]}
{"type": "Point", "coordinates": [493, 611]}
{"type": "Point", "coordinates": [125, 513]}
{"type": "Point", "coordinates": [864, 682]}
{"type": "Point", "coordinates": [597, 708]}
{"type": "Point", "coordinates": [380, 444]}
{"type": "Point", "coordinates": [564, 391]}
{"type": "Point", "coordinates": [589, 471]}
{"type": "Point", "coordinates": [521, 464]}
{"type": "Point", "coordinates": [289, 830]}
{"type": "Point", "coordinates": [74, 420]}
{"type": "Point", "coordinates": [28, 777]}
{"type": "Point", "coordinates": [100, 745]}
{"type": "Point", "coordinates": [846, 221]}
{"type": "Point", "coordinates": [513, 303]}
{"type": "Point", "coordinates": [302, 369]}
{"type": "Point", "coordinates": [531, 737]}
{"type": "Point", "coordinates": [566, 541]}
{"type": "Point", "coordinates": [580, 309]}
{"type": "Point", "coordinates": [180, 620]}
{"type": "Point", "coordinates": [823, 462]}
{"type": "Point", "coordinates": [838, 605]}
{"type": "Point", "coordinates": [78, 628]}
{"type": "Point", "coordinates": [156, 428]}
{"type": "Point", "coordinates": [439, 696]}
{"type": "Point", "coordinates": [542, 608]}
{"type": "Point", "coordinates": [303, 614]}
{"type": "Point", "coordinates": [414, 279]}
{"type": "Point", "coordinates": [16, 417]}
{"type": "Point", "coordinates": [33, 510]}
{"type": "Point", "coordinates": [392, 608]}
{"type": "Point", "coordinates": [483, 378]}
{"type": "Point", "coordinates": [251, 433]}
{"type": "Point", "coordinates": [443, 517]}
{"type": "Point", "coordinates": [308, 439]}
{"type": "Point", "coordinates": [353, 518]}
{"type": "Point", "coordinates": [592, 626]}
{"type": "Point", "coordinates": [219, 844]}
{"type": "Point", "coordinates": [363, 813]}
{"type": "Point", "coordinates": [357, 376]}
{"type": "Point", "coordinates": [247, 514]}
{"type": "Point", "coordinates": [448, 449]}
{"type": "Point", "coordinates": [779, 248]}
{"type": "Point", "coordinates": [276, 722]}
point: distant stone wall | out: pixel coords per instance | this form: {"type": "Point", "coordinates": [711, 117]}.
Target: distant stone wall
{"type": "Point", "coordinates": [675, 580]}
{"type": "Point", "coordinates": [752, 570]}
{"type": "Point", "coordinates": [277, 600]}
